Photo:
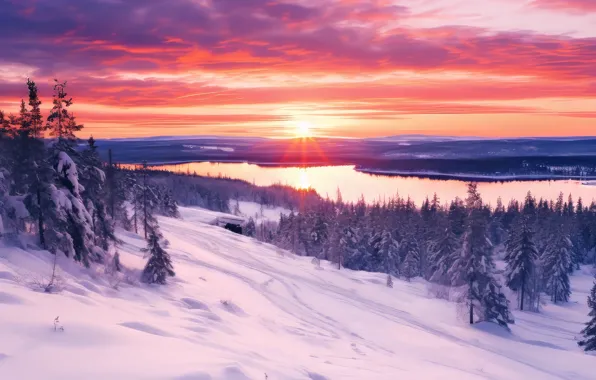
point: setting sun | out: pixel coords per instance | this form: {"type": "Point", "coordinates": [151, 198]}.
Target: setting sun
{"type": "Point", "coordinates": [303, 129]}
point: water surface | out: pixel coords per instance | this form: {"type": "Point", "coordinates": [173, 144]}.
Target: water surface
{"type": "Point", "coordinates": [353, 184]}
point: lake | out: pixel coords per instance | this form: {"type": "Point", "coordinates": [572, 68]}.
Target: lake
{"type": "Point", "coordinates": [326, 180]}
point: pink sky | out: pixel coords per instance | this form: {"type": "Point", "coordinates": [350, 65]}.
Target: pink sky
{"type": "Point", "coordinates": [343, 67]}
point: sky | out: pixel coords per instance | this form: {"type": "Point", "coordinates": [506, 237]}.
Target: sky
{"type": "Point", "coordinates": [281, 68]}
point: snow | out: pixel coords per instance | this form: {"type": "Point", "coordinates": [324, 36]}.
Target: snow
{"type": "Point", "coordinates": [66, 164]}
{"type": "Point", "coordinates": [253, 209]}
{"type": "Point", "coordinates": [240, 309]}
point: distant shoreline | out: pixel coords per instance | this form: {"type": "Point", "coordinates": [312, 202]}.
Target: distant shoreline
{"type": "Point", "coordinates": [476, 177]}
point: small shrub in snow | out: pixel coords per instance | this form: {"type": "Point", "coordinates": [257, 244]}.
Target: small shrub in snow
{"type": "Point", "coordinates": [51, 284]}
{"type": "Point", "coordinates": [316, 262]}
{"type": "Point", "coordinates": [389, 281]}
{"type": "Point", "coordinates": [57, 325]}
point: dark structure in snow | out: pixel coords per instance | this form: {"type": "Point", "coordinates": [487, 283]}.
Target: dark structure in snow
{"type": "Point", "coordinates": [231, 223]}
{"type": "Point", "coordinates": [234, 228]}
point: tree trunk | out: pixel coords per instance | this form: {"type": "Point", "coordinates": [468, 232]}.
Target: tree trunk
{"type": "Point", "coordinates": [145, 204]}
{"type": "Point", "coordinates": [523, 288]}
{"type": "Point", "coordinates": [42, 238]}
{"type": "Point", "coordinates": [111, 182]}
{"type": "Point", "coordinates": [471, 304]}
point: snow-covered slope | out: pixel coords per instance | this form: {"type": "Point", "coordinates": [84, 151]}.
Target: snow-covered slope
{"type": "Point", "coordinates": [240, 309]}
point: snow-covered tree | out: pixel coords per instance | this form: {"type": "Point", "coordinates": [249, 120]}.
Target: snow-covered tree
{"type": "Point", "coordinates": [557, 260]}
{"type": "Point", "coordinates": [250, 229]}
{"type": "Point", "coordinates": [159, 266]}
{"type": "Point", "coordinates": [388, 250]}
{"type": "Point", "coordinates": [169, 206]}
{"type": "Point", "coordinates": [521, 258]}
{"type": "Point", "coordinates": [3, 195]}
{"type": "Point", "coordinates": [74, 222]}
{"type": "Point", "coordinates": [348, 245]}
{"type": "Point", "coordinates": [588, 342]}
{"type": "Point", "coordinates": [410, 252]}
{"type": "Point", "coordinates": [148, 201]}
{"type": "Point", "coordinates": [473, 269]}
{"type": "Point", "coordinates": [95, 195]}
{"type": "Point", "coordinates": [496, 305]}
{"type": "Point", "coordinates": [444, 252]}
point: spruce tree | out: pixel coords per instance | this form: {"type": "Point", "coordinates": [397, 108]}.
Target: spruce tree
{"type": "Point", "coordinates": [250, 228]}
{"type": "Point", "coordinates": [388, 249]}
{"type": "Point", "coordinates": [444, 252]}
{"type": "Point", "coordinates": [169, 206]}
{"type": "Point", "coordinates": [36, 125]}
{"type": "Point", "coordinates": [159, 266]}
{"type": "Point", "coordinates": [473, 269]}
{"type": "Point", "coordinates": [148, 202]}
{"type": "Point", "coordinates": [410, 252]}
{"type": "Point", "coordinates": [72, 231]}
{"type": "Point", "coordinates": [588, 342]}
{"type": "Point", "coordinates": [557, 259]}
{"type": "Point", "coordinates": [521, 258]}
{"type": "Point", "coordinates": [95, 195]}
{"type": "Point", "coordinates": [61, 123]}
{"type": "Point", "coordinates": [348, 246]}
{"type": "Point", "coordinates": [76, 223]}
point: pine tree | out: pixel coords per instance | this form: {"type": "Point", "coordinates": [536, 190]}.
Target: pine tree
{"type": "Point", "coordinates": [159, 266]}
{"type": "Point", "coordinates": [35, 118]}
{"type": "Point", "coordinates": [496, 305]}
{"type": "Point", "coordinates": [74, 223]}
{"type": "Point", "coordinates": [95, 195]}
{"type": "Point", "coordinates": [388, 249]}
{"type": "Point", "coordinates": [147, 200]}
{"type": "Point", "coordinates": [521, 258]}
{"type": "Point", "coordinates": [62, 124]}
{"type": "Point", "coordinates": [250, 228]}
{"type": "Point", "coordinates": [444, 252]}
{"type": "Point", "coordinates": [410, 266]}
{"type": "Point", "coordinates": [3, 194]}
{"type": "Point", "coordinates": [169, 206]}
{"type": "Point", "coordinates": [588, 343]}
{"type": "Point", "coordinates": [557, 259]}
{"type": "Point", "coordinates": [473, 270]}
{"type": "Point", "coordinates": [348, 245]}
{"type": "Point", "coordinates": [72, 228]}
{"type": "Point", "coordinates": [35, 173]}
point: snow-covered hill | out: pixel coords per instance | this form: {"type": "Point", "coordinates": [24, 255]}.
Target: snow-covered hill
{"type": "Point", "coordinates": [241, 309]}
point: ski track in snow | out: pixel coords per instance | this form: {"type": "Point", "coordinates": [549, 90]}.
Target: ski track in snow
{"type": "Point", "coordinates": [240, 309]}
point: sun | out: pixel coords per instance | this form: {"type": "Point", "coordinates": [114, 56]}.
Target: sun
{"type": "Point", "coordinates": [303, 129]}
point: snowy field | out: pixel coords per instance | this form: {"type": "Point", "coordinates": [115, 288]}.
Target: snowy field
{"type": "Point", "coordinates": [240, 309]}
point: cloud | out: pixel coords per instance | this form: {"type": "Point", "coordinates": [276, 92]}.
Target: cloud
{"type": "Point", "coordinates": [371, 59]}
{"type": "Point", "coordinates": [102, 36]}
{"type": "Point", "coordinates": [572, 6]}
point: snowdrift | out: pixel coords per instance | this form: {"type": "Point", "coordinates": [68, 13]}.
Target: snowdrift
{"type": "Point", "coordinates": [241, 309]}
